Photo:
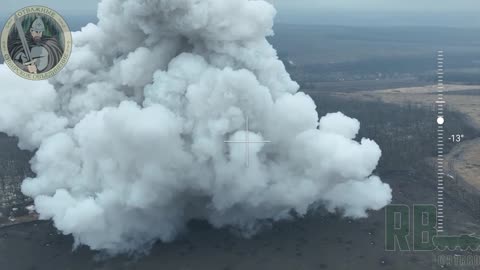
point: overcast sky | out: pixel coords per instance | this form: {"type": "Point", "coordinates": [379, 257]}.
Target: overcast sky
{"type": "Point", "coordinates": [423, 12]}
{"type": "Point", "coordinates": [381, 5]}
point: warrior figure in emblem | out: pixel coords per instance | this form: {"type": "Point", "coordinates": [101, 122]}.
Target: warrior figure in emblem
{"type": "Point", "coordinates": [34, 52]}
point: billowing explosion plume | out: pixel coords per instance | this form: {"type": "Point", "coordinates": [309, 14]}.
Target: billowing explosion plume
{"type": "Point", "coordinates": [130, 136]}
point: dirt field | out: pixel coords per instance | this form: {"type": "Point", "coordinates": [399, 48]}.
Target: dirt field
{"type": "Point", "coordinates": [466, 161]}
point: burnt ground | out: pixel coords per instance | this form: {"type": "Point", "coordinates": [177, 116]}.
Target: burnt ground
{"type": "Point", "coordinates": [318, 241]}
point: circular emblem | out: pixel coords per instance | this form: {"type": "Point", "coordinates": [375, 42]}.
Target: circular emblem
{"type": "Point", "coordinates": [36, 43]}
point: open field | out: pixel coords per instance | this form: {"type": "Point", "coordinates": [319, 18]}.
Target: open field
{"type": "Point", "coordinates": [463, 162]}
{"type": "Point", "coordinates": [462, 98]}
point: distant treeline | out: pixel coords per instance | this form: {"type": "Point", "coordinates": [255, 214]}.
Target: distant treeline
{"type": "Point", "coordinates": [459, 69]}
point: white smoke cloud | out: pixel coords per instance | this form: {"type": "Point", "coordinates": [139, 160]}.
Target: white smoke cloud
{"type": "Point", "coordinates": [130, 135]}
{"type": "Point", "coordinates": [25, 113]}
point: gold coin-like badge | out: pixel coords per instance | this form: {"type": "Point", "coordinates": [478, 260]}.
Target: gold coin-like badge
{"type": "Point", "coordinates": [36, 43]}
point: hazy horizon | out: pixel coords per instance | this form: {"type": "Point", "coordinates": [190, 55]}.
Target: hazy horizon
{"type": "Point", "coordinates": [345, 19]}
{"type": "Point", "coordinates": [458, 13]}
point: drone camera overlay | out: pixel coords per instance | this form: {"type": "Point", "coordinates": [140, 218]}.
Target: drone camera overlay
{"type": "Point", "coordinates": [239, 134]}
